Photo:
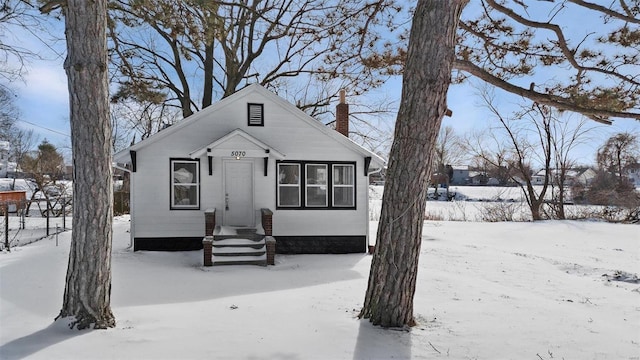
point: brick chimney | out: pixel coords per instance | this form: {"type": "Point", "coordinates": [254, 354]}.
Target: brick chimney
{"type": "Point", "coordinates": [342, 115]}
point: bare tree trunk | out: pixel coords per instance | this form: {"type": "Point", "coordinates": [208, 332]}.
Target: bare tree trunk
{"type": "Point", "coordinates": [207, 90]}
{"type": "Point", "coordinates": [562, 176]}
{"type": "Point", "coordinates": [535, 206]}
{"type": "Point", "coordinates": [88, 284]}
{"type": "Point", "coordinates": [392, 279]}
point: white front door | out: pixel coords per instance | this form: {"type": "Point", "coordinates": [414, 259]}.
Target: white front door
{"type": "Point", "coordinates": [238, 192]}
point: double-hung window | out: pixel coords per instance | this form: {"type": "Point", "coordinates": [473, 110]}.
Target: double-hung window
{"type": "Point", "coordinates": [343, 185]}
{"type": "Point", "coordinates": [289, 185]}
{"type": "Point", "coordinates": [185, 184]}
{"type": "Point", "coordinates": [316, 185]}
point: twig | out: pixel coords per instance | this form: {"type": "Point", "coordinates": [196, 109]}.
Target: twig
{"type": "Point", "coordinates": [434, 348]}
{"type": "Point", "coordinates": [540, 357]}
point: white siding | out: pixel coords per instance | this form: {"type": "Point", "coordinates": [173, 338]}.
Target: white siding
{"type": "Point", "coordinates": [283, 130]}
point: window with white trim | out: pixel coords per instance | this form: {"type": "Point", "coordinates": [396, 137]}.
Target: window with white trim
{"type": "Point", "coordinates": [316, 185]}
{"type": "Point", "coordinates": [289, 185]}
{"type": "Point", "coordinates": [343, 185]}
{"type": "Point", "coordinates": [185, 184]}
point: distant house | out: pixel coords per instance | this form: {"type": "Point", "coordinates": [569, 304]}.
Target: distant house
{"type": "Point", "coordinates": [478, 178]}
{"type": "Point", "coordinates": [538, 178]}
{"type": "Point", "coordinates": [9, 169]}
{"type": "Point", "coordinates": [493, 181]}
{"type": "Point", "coordinates": [460, 175]}
{"type": "Point", "coordinates": [583, 176]}
{"type": "Point", "coordinates": [5, 147]}
{"type": "Point", "coordinates": [252, 163]}
{"type": "Point", "coordinates": [633, 174]}
{"type": "Point", "coordinates": [575, 176]}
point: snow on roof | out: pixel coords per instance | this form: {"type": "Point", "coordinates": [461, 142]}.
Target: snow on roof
{"type": "Point", "coordinates": [460, 167]}
{"type": "Point", "coordinates": [123, 156]}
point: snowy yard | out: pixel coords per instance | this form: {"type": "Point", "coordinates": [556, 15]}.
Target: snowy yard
{"type": "Point", "coordinates": [482, 203]}
{"type": "Point", "coordinates": [544, 290]}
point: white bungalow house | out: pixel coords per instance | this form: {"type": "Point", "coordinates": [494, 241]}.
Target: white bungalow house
{"type": "Point", "coordinates": [253, 165]}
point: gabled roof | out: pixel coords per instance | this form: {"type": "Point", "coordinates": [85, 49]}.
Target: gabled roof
{"type": "Point", "coordinates": [124, 157]}
{"type": "Point", "coordinates": [238, 133]}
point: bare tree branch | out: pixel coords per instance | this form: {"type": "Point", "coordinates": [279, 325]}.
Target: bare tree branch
{"type": "Point", "coordinates": [627, 18]}
{"type": "Point", "coordinates": [599, 115]}
{"type": "Point", "coordinates": [602, 81]}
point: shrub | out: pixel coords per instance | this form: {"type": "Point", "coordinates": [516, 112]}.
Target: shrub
{"type": "Point", "coordinates": [499, 211]}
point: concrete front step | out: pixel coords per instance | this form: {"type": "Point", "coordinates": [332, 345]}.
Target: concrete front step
{"type": "Point", "coordinates": [254, 237]}
{"type": "Point", "coordinates": [236, 242]}
{"type": "Point", "coordinates": [237, 254]}
{"type": "Point", "coordinates": [240, 260]}
{"type": "Point", "coordinates": [226, 250]}
{"type": "Point", "coordinates": [231, 232]}
{"type": "Point", "coordinates": [239, 250]}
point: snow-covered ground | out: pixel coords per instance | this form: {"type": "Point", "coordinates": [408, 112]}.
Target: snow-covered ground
{"type": "Point", "coordinates": [481, 203]}
{"type": "Point", "coordinates": [543, 290]}
{"type": "Point", "coordinates": [470, 202]}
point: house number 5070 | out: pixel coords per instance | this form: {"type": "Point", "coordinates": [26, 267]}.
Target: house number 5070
{"type": "Point", "coordinates": [238, 153]}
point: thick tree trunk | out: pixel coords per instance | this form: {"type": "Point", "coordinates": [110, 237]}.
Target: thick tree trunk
{"type": "Point", "coordinates": [88, 284]}
{"type": "Point", "coordinates": [392, 280]}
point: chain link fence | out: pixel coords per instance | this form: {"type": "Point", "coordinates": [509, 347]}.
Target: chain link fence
{"type": "Point", "coordinates": [26, 221]}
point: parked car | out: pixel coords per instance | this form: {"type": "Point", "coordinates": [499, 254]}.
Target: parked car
{"type": "Point", "coordinates": [52, 190]}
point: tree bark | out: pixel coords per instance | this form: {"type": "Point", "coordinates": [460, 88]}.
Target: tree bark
{"type": "Point", "coordinates": [392, 279]}
{"type": "Point", "coordinates": [88, 283]}
{"type": "Point", "coordinates": [207, 90]}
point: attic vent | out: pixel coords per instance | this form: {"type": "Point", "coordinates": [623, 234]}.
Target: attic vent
{"type": "Point", "coordinates": [256, 114]}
